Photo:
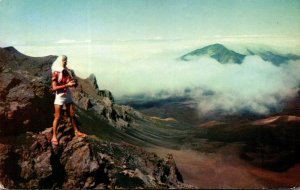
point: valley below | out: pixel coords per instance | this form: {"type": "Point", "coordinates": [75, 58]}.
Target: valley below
{"type": "Point", "coordinates": [223, 169]}
{"type": "Point", "coordinates": [210, 156]}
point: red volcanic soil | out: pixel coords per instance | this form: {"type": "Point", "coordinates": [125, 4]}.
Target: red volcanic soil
{"type": "Point", "coordinates": [224, 169]}
{"type": "Point", "coordinates": [274, 119]}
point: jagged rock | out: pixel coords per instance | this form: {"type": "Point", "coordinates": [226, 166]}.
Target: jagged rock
{"type": "Point", "coordinates": [42, 164]}
{"type": "Point", "coordinates": [87, 96]}
{"type": "Point", "coordinates": [93, 81]}
{"type": "Point", "coordinates": [81, 101]}
{"type": "Point", "coordinates": [106, 93]}
{"type": "Point", "coordinates": [7, 79]}
{"type": "Point", "coordinates": [18, 100]}
{"type": "Point", "coordinates": [81, 163]}
{"type": "Point", "coordinates": [22, 104]}
{"type": "Point", "coordinates": [24, 91]}
{"type": "Point", "coordinates": [5, 150]}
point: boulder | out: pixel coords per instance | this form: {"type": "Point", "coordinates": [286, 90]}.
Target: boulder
{"type": "Point", "coordinates": [93, 81]}
{"type": "Point", "coordinates": [24, 92]}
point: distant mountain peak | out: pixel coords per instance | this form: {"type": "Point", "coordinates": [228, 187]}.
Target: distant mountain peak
{"type": "Point", "coordinates": [217, 45]}
{"type": "Point", "coordinates": [13, 51]}
{"type": "Point", "coordinates": [274, 57]}
{"type": "Point", "coordinates": [224, 55]}
{"type": "Point", "coordinates": [216, 51]}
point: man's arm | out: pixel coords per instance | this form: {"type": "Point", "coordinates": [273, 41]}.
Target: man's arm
{"type": "Point", "coordinates": [58, 87]}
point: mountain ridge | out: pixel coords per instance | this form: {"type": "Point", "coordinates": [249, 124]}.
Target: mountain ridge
{"type": "Point", "coordinates": [225, 56]}
{"type": "Point", "coordinates": [216, 51]}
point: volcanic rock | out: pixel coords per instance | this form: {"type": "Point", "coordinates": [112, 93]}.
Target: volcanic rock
{"type": "Point", "coordinates": [81, 163]}
{"type": "Point", "coordinates": [87, 96]}
{"type": "Point", "coordinates": [24, 91]}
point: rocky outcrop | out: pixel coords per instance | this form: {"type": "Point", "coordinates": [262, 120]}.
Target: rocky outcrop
{"type": "Point", "coordinates": [27, 99]}
{"type": "Point", "coordinates": [81, 163]}
{"type": "Point", "coordinates": [88, 96]}
{"type": "Point", "coordinates": [24, 91]}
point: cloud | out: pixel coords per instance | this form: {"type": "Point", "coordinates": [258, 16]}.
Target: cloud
{"type": "Point", "coordinates": [65, 41]}
{"type": "Point", "coordinates": [152, 68]}
{"type": "Point", "coordinates": [87, 41]}
{"type": "Point", "coordinates": [254, 86]}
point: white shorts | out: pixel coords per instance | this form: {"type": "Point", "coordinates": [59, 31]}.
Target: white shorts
{"type": "Point", "coordinates": [62, 98]}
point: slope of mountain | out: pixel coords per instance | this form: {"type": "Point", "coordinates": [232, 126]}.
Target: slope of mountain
{"type": "Point", "coordinates": [37, 66]}
{"type": "Point", "coordinates": [216, 51]}
{"type": "Point", "coordinates": [29, 161]}
{"type": "Point", "coordinates": [270, 142]}
{"type": "Point", "coordinates": [275, 58]}
{"type": "Point", "coordinates": [224, 55]}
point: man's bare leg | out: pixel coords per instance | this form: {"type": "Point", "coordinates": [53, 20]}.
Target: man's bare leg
{"type": "Point", "coordinates": [57, 109]}
{"type": "Point", "coordinates": [71, 114]}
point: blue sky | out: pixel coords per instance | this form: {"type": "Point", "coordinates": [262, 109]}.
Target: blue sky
{"type": "Point", "coordinates": [145, 38]}
{"type": "Point", "coordinates": [25, 21]}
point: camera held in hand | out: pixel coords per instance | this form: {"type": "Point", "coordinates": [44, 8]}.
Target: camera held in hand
{"type": "Point", "coordinates": [76, 83]}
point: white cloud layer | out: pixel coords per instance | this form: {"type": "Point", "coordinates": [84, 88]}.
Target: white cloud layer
{"type": "Point", "coordinates": [131, 69]}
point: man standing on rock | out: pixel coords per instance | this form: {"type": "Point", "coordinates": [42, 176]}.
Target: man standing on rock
{"type": "Point", "coordinates": [61, 81]}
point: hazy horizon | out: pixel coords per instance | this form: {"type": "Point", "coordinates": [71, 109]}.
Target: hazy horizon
{"type": "Point", "coordinates": [133, 46]}
{"type": "Point", "coordinates": [133, 68]}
